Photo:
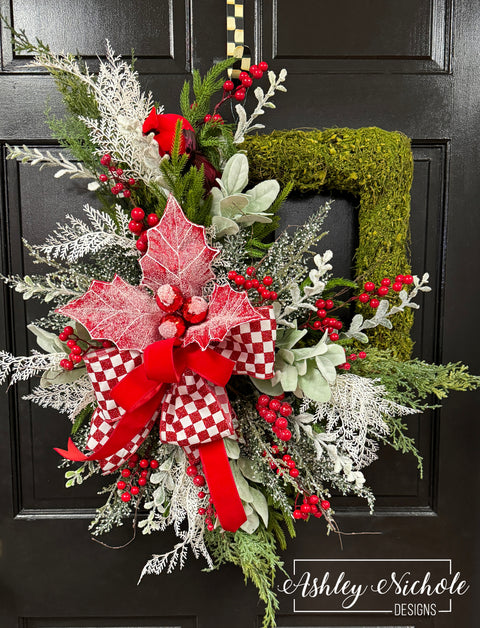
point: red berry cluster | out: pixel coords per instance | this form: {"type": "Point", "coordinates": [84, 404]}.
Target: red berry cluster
{"type": "Point", "coordinates": [76, 351]}
{"type": "Point", "coordinates": [346, 366]}
{"type": "Point", "coordinates": [180, 312]}
{"type": "Point", "coordinates": [208, 512]}
{"type": "Point", "coordinates": [283, 461]}
{"type": "Point", "coordinates": [324, 322]}
{"type": "Point", "coordinates": [239, 92]}
{"type": "Point", "coordinates": [371, 290]}
{"type": "Point", "coordinates": [136, 476]}
{"type": "Point", "coordinates": [254, 284]}
{"type": "Point", "coordinates": [310, 506]}
{"type": "Point", "coordinates": [275, 412]}
{"type": "Point", "coordinates": [139, 226]}
{"type": "Point", "coordinates": [116, 180]}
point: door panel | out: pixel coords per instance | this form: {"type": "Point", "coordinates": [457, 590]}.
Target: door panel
{"type": "Point", "coordinates": [350, 63]}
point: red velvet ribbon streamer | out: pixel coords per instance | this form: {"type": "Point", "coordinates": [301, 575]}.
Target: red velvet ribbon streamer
{"type": "Point", "coordinates": [141, 392]}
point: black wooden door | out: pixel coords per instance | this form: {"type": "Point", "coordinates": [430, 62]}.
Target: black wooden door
{"type": "Point", "coordinates": [410, 66]}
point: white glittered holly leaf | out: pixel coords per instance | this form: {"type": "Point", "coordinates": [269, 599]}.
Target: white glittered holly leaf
{"type": "Point", "coordinates": [127, 315]}
{"type": "Point", "coordinates": [177, 253]}
{"type": "Point", "coordinates": [227, 309]}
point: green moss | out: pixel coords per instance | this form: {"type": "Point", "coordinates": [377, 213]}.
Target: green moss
{"type": "Point", "coordinates": [374, 165]}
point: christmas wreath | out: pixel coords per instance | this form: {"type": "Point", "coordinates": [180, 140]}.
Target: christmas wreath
{"type": "Point", "coordinates": [214, 372]}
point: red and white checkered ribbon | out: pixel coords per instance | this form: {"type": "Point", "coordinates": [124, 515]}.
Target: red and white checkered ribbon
{"type": "Point", "coordinates": [193, 411]}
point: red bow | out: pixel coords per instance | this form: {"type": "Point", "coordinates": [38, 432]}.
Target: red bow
{"type": "Point", "coordinates": [141, 392]}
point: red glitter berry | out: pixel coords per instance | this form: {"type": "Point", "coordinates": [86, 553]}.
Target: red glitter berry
{"type": "Point", "coordinates": [169, 298]}
{"type": "Point", "coordinates": [172, 326]}
{"type": "Point", "coordinates": [263, 400]}
{"type": "Point", "coordinates": [195, 309]}
{"type": "Point", "coordinates": [274, 405]}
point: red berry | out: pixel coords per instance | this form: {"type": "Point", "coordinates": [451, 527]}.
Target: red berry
{"type": "Point", "coordinates": [126, 497]}
{"type": "Point", "coordinates": [320, 303]}
{"type": "Point", "coordinates": [201, 511]}
{"type": "Point", "coordinates": [255, 283]}
{"type": "Point", "coordinates": [250, 271]}
{"type": "Point", "coordinates": [248, 284]}
{"type": "Point", "coordinates": [201, 494]}
{"type": "Point", "coordinates": [135, 226]}
{"type": "Point", "coordinates": [63, 336]}
{"type": "Point", "coordinates": [313, 499]}
{"type": "Point", "coordinates": [294, 473]}
{"type": "Point", "coordinates": [267, 281]}
{"type": "Point", "coordinates": [285, 435]}
{"type": "Point", "coordinates": [127, 194]}
{"type": "Point", "coordinates": [144, 473]}
{"type": "Point", "coordinates": [334, 337]}
{"type": "Point", "coordinates": [217, 118]}
{"type": "Point", "coordinates": [399, 279]}
{"type": "Point", "coordinates": [242, 75]}
{"type": "Point", "coordinates": [382, 291]}
{"type": "Point", "coordinates": [134, 490]}
{"type": "Point", "coordinates": [408, 279]}
{"type": "Point", "coordinates": [239, 94]}
{"type": "Point", "coordinates": [71, 343]}
{"type": "Point", "coordinates": [239, 280]}
{"type": "Point", "coordinates": [126, 473]}
{"type": "Point", "coordinates": [329, 304]}
{"type": "Point", "coordinates": [270, 416]}
{"type": "Point", "coordinates": [207, 118]}
{"type": "Point", "coordinates": [286, 409]}
{"type": "Point", "coordinates": [121, 485]}
{"type": "Point", "coordinates": [273, 296]}
{"type": "Point", "coordinates": [256, 73]}
{"type": "Point", "coordinates": [142, 481]}
{"type": "Point", "coordinates": [67, 365]}
{"type": "Point", "coordinates": [317, 324]}
{"type": "Point", "coordinates": [169, 298]}
{"type": "Point", "coordinates": [291, 464]}
{"type": "Point", "coordinates": [192, 470]}
{"type": "Point", "coordinates": [247, 81]}
{"type": "Point", "coordinates": [362, 355]}
{"type": "Point", "coordinates": [281, 423]}
{"type": "Point", "coordinates": [263, 66]}
{"type": "Point", "coordinates": [263, 400]}
{"type": "Point", "coordinates": [286, 458]}
{"type": "Point", "coordinates": [112, 169]}
{"type": "Point", "coordinates": [352, 357]}
{"type": "Point", "coordinates": [346, 366]}
{"type": "Point", "coordinates": [297, 514]}
{"type": "Point", "coordinates": [228, 86]}
{"type": "Point", "coordinates": [154, 464]}
{"type": "Point", "coordinates": [232, 274]}
{"type": "Point", "coordinates": [144, 463]}
{"type": "Point", "coordinates": [274, 405]}
{"type": "Point", "coordinates": [105, 160]}
{"type": "Point", "coordinates": [210, 527]}
{"type": "Point", "coordinates": [305, 507]}
{"type": "Point", "coordinates": [68, 330]}
{"type": "Point", "coordinates": [76, 359]}
{"type": "Point", "coordinates": [262, 411]}
{"type": "Point", "coordinates": [374, 303]}
{"type": "Point", "coordinates": [325, 505]}
{"type": "Point", "coordinates": [321, 313]}
{"type": "Point", "coordinates": [397, 286]}
{"type": "Point", "coordinates": [338, 324]}
{"type": "Point", "coordinates": [103, 178]}
{"type": "Point", "coordinates": [137, 213]}
{"type": "Point", "coordinates": [385, 282]}
{"type": "Point", "coordinates": [131, 181]}
{"type": "Point", "coordinates": [152, 220]}
{"type": "Point", "coordinates": [369, 286]}
{"type": "Point", "coordinates": [106, 344]}
{"type": "Point", "coordinates": [364, 298]}
{"type": "Point", "coordinates": [76, 350]}
{"type": "Point", "coordinates": [199, 480]}
{"type": "Point", "coordinates": [195, 309]}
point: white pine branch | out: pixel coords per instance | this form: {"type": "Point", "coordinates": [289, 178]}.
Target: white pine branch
{"type": "Point", "coordinates": [24, 367]}
{"type": "Point", "coordinates": [76, 239]}
{"type": "Point", "coordinates": [68, 398]}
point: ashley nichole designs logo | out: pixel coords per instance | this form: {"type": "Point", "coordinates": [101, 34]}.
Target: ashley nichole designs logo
{"type": "Point", "coordinates": [400, 587]}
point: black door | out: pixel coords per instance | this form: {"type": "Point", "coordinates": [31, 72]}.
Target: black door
{"type": "Point", "coordinates": [410, 66]}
